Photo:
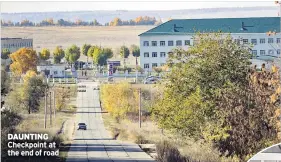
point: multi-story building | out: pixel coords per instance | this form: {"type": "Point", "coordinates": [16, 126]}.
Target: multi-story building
{"type": "Point", "coordinates": [13, 44]}
{"type": "Point", "coordinates": [156, 43]}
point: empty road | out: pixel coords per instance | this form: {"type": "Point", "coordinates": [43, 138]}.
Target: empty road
{"type": "Point", "coordinates": [95, 143]}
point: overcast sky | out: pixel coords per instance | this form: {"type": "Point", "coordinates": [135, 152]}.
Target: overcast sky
{"type": "Point", "coordinates": [12, 7]}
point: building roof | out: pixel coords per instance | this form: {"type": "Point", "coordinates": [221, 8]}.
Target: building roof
{"type": "Point", "coordinates": [15, 38]}
{"type": "Point", "coordinates": [225, 25]}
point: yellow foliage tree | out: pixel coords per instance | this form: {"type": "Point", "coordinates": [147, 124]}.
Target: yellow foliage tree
{"type": "Point", "coordinates": [23, 60]}
{"type": "Point", "coordinates": [29, 74]}
{"type": "Point", "coordinates": [44, 54]}
{"type": "Point", "coordinates": [119, 99]}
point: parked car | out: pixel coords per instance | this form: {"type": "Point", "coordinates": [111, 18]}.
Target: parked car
{"type": "Point", "coordinates": [82, 126]}
{"type": "Point", "coordinates": [151, 80]}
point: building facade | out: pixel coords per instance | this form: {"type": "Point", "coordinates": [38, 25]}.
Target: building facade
{"type": "Point", "coordinates": [156, 43]}
{"type": "Point", "coordinates": [13, 44]}
{"type": "Point", "coordinates": [52, 71]}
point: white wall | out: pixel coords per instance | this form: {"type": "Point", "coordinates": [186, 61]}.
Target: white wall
{"type": "Point", "coordinates": [149, 60]}
{"type": "Point", "coordinates": [60, 70]}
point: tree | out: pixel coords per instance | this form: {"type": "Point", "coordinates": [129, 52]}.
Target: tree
{"type": "Point", "coordinates": [107, 52]}
{"type": "Point", "coordinates": [29, 74]}
{"type": "Point", "coordinates": [58, 54]}
{"type": "Point", "coordinates": [212, 93]}
{"type": "Point", "coordinates": [158, 70]}
{"type": "Point", "coordinates": [135, 50]}
{"type": "Point", "coordinates": [44, 54]}
{"type": "Point", "coordinates": [91, 51]}
{"type": "Point", "coordinates": [85, 49]}
{"type": "Point", "coordinates": [72, 54]}
{"type": "Point", "coordinates": [124, 52]}
{"type": "Point", "coordinates": [33, 91]}
{"type": "Point", "coordinates": [23, 60]}
{"type": "Point", "coordinates": [5, 82]}
{"type": "Point", "coordinates": [5, 53]}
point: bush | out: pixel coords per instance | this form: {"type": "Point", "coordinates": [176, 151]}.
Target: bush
{"type": "Point", "coordinates": [166, 152]}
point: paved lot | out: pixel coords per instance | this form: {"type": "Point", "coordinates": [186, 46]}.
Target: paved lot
{"type": "Point", "coordinates": [95, 144]}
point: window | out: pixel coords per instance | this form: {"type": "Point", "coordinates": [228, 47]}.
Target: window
{"type": "Point", "coordinates": [162, 54]}
{"type": "Point", "coordinates": [278, 40]}
{"type": "Point", "coordinates": [271, 52]}
{"type": "Point", "coordinates": [55, 72]}
{"type": "Point", "coordinates": [254, 41]}
{"type": "Point", "coordinates": [254, 52]}
{"type": "Point", "coordinates": [146, 54]}
{"type": "Point", "coordinates": [154, 64]}
{"type": "Point", "coordinates": [187, 42]}
{"type": "Point", "coordinates": [270, 40]}
{"type": "Point", "coordinates": [262, 41]}
{"type": "Point", "coordinates": [278, 52]}
{"type": "Point", "coordinates": [146, 66]}
{"type": "Point", "coordinates": [237, 41]}
{"type": "Point", "coordinates": [154, 54]}
{"type": "Point", "coordinates": [170, 43]}
{"type": "Point", "coordinates": [154, 43]}
{"type": "Point", "coordinates": [162, 43]}
{"type": "Point", "coordinates": [162, 64]}
{"type": "Point", "coordinates": [262, 52]}
{"type": "Point", "coordinates": [179, 43]}
{"type": "Point", "coordinates": [145, 43]}
{"type": "Point", "coordinates": [31, 44]}
{"type": "Point", "coordinates": [245, 41]}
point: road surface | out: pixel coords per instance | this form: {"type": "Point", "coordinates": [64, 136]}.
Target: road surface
{"type": "Point", "coordinates": [95, 143]}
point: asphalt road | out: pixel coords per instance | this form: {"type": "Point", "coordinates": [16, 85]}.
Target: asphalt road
{"type": "Point", "coordinates": [95, 143]}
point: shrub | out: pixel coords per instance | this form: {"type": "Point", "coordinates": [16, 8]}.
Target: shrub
{"type": "Point", "coordinates": [166, 152]}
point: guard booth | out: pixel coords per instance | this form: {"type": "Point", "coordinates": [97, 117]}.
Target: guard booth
{"type": "Point", "coordinates": [111, 65]}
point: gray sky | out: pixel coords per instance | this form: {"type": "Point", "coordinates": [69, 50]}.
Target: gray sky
{"type": "Point", "coordinates": [35, 6]}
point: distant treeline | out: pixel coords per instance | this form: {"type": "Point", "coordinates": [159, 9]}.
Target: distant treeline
{"type": "Point", "coordinates": [61, 22]}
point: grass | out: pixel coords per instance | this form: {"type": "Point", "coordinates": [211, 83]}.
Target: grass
{"type": "Point", "coordinates": [62, 126]}
{"type": "Point", "coordinates": [106, 36]}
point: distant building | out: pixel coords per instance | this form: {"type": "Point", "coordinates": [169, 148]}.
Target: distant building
{"type": "Point", "coordinates": [156, 43]}
{"type": "Point", "coordinates": [52, 71]}
{"type": "Point", "coordinates": [13, 44]}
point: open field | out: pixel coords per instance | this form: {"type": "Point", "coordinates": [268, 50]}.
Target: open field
{"type": "Point", "coordinates": [50, 37]}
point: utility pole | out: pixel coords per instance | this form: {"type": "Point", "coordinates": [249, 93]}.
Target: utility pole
{"type": "Point", "coordinates": [45, 115]}
{"type": "Point", "coordinates": [50, 108]}
{"type": "Point", "coordinates": [140, 107]}
{"type": "Point", "coordinates": [54, 102]}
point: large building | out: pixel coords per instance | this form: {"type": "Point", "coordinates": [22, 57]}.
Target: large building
{"type": "Point", "coordinates": [13, 44]}
{"type": "Point", "coordinates": [156, 43]}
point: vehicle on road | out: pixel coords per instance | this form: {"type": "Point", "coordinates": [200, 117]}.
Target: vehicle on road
{"type": "Point", "coordinates": [151, 80]}
{"type": "Point", "coordinates": [110, 79]}
{"type": "Point", "coordinates": [82, 126]}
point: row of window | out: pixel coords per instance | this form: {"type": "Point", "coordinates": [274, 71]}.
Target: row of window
{"type": "Point", "coordinates": [255, 41]}
{"type": "Point", "coordinates": [263, 52]}
{"type": "Point", "coordinates": [170, 43]}
{"type": "Point", "coordinates": [146, 66]}
{"type": "Point", "coordinates": [16, 45]}
{"type": "Point", "coordinates": [187, 42]}
{"type": "Point", "coordinates": [154, 54]}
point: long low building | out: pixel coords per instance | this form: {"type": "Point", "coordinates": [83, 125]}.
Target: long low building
{"type": "Point", "coordinates": [156, 43]}
{"type": "Point", "coordinates": [13, 44]}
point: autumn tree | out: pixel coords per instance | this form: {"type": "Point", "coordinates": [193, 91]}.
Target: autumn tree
{"type": "Point", "coordinates": [5, 53]}
{"type": "Point", "coordinates": [44, 54]}
{"type": "Point", "coordinates": [116, 22]}
{"type": "Point", "coordinates": [58, 54]}
{"type": "Point", "coordinates": [135, 50]}
{"type": "Point", "coordinates": [23, 60]}
{"type": "Point", "coordinates": [32, 92]}
{"type": "Point", "coordinates": [72, 54]}
{"type": "Point", "coordinates": [211, 93]}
